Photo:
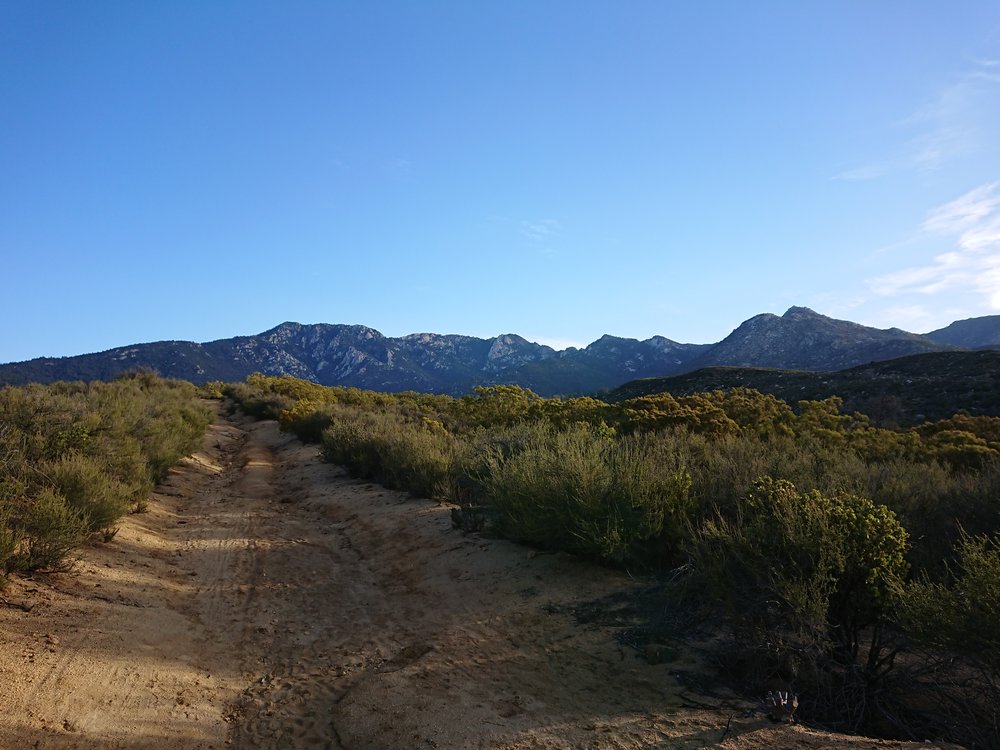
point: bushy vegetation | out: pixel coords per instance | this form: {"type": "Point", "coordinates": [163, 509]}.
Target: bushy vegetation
{"type": "Point", "coordinates": [817, 538]}
{"type": "Point", "coordinates": [400, 452]}
{"type": "Point", "coordinates": [583, 491]}
{"type": "Point", "coordinates": [961, 616]}
{"type": "Point", "coordinates": [821, 566]}
{"type": "Point", "coordinates": [902, 391]}
{"type": "Point", "coordinates": [75, 457]}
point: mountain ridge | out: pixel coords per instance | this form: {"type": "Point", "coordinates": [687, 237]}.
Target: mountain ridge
{"type": "Point", "coordinates": [803, 339]}
{"type": "Point", "coordinates": [971, 333]}
{"type": "Point", "coordinates": [360, 356]}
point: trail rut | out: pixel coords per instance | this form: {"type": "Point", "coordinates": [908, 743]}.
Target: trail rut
{"type": "Point", "coordinates": [267, 600]}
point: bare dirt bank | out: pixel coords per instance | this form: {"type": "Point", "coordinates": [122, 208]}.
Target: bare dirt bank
{"type": "Point", "coordinates": [266, 600]}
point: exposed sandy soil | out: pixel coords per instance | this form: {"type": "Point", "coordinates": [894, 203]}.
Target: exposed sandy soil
{"type": "Point", "coordinates": [266, 600]}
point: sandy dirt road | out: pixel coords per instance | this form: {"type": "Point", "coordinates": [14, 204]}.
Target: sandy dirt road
{"type": "Point", "coordinates": [266, 600]}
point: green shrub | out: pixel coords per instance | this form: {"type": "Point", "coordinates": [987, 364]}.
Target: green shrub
{"type": "Point", "coordinates": [121, 458]}
{"type": "Point", "coordinates": [214, 389]}
{"type": "Point", "coordinates": [818, 567]}
{"type": "Point", "coordinates": [352, 441]}
{"type": "Point", "coordinates": [51, 529]}
{"type": "Point", "coordinates": [584, 493]}
{"type": "Point", "coordinates": [86, 453]}
{"type": "Point", "coordinates": [936, 503]}
{"type": "Point", "coordinates": [962, 616]}
{"type": "Point", "coordinates": [954, 627]}
{"type": "Point", "coordinates": [387, 448]}
{"type": "Point", "coordinates": [307, 419]}
{"type": "Point", "coordinates": [497, 405]}
{"type": "Point", "coordinates": [257, 403]}
{"type": "Point", "coordinates": [419, 460]}
{"type": "Point", "coordinates": [809, 585]}
{"type": "Point", "coordinates": [10, 539]}
{"type": "Point", "coordinates": [96, 497]}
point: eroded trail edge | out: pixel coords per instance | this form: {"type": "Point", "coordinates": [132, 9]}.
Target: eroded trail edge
{"type": "Point", "coordinates": [266, 600]}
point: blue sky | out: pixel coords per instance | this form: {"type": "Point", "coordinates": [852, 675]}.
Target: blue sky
{"type": "Point", "coordinates": [199, 170]}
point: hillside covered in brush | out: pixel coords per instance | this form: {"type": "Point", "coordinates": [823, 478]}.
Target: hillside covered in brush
{"type": "Point", "coordinates": [904, 390]}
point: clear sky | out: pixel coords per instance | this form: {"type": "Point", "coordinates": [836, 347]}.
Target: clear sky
{"type": "Point", "coordinates": [201, 169]}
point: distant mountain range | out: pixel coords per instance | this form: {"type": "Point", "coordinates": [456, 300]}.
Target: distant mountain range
{"type": "Point", "coordinates": [804, 340]}
{"type": "Point", "coordinates": [354, 355]}
{"type": "Point", "coordinates": [971, 333]}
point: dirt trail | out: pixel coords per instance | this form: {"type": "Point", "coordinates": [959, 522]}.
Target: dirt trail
{"type": "Point", "coordinates": [266, 600]}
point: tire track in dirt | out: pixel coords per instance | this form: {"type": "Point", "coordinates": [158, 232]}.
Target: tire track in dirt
{"type": "Point", "coordinates": [267, 600]}
{"type": "Point", "coordinates": [119, 669]}
{"type": "Point", "coordinates": [380, 626]}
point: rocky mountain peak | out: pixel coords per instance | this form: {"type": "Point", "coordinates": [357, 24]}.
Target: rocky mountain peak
{"type": "Point", "coordinates": [607, 342]}
{"type": "Point", "coordinates": [510, 350]}
{"type": "Point", "coordinates": [662, 343]}
{"type": "Point", "coordinates": [802, 313]}
{"type": "Point", "coordinates": [802, 339]}
{"type": "Point", "coordinates": [356, 355]}
{"type": "Point", "coordinates": [763, 320]}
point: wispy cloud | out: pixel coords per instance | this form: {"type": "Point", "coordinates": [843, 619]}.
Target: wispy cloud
{"type": "Point", "coordinates": [540, 230]}
{"type": "Point", "coordinates": [971, 265]}
{"type": "Point", "coordinates": [988, 70]}
{"type": "Point", "coordinates": [948, 125]}
{"type": "Point", "coordinates": [951, 123]}
{"type": "Point", "coordinates": [968, 217]}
